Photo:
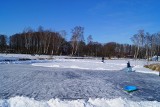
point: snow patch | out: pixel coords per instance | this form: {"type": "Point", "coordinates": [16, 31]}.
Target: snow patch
{"type": "Point", "coordinates": [55, 66]}
{"type": "Point", "coordinates": [74, 66]}
{"type": "Point", "coordinates": [118, 102]}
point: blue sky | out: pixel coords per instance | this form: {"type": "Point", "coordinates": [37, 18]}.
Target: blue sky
{"type": "Point", "coordinates": [105, 20]}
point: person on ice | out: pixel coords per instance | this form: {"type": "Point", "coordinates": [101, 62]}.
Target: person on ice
{"type": "Point", "coordinates": [128, 64]}
{"type": "Point", "coordinates": [129, 68]}
{"type": "Point", "coordinates": [103, 59]}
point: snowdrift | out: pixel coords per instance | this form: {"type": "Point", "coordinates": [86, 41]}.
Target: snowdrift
{"type": "Point", "coordinates": [118, 102]}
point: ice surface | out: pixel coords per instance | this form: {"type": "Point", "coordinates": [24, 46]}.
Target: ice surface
{"type": "Point", "coordinates": [44, 83]}
{"type": "Point", "coordinates": [76, 83]}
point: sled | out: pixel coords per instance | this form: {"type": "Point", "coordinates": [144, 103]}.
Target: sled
{"type": "Point", "coordinates": [130, 88]}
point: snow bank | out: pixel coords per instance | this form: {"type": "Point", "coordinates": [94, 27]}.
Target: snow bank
{"type": "Point", "coordinates": [118, 102]}
{"type": "Point", "coordinates": [141, 69]}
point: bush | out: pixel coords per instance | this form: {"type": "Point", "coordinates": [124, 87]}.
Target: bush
{"type": "Point", "coordinates": [146, 66]}
{"type": "Point", "coordinates": [158, 68]}
{"type": "Point", "coordinates": [153, 67]}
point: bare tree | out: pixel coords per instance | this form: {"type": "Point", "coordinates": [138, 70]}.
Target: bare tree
{"type": "Point", "coordinates": [77, 37]}
{"type": "Point", "coordinates": [147, 44]}
{"type": "Point", "coordinates": [3, 42]}
{"type": "Point", "coordinates": [89, 39]}
{"type": "Point", "coordinates": [138, 41]}
{"type": "Point", "coordinates": [28, 38]}
{"type": "Point", "coordinates": [158, 43]}
{"type": "Point", "coordinates": [153, 45]}
{"type": "Point", "coordinates": [89, 45]}
{"type": "Point", "coordinates": [63, 34]}
{"type": "Point", "coordinates": [110, 49]}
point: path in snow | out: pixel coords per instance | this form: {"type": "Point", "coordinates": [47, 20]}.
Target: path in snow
{"type": "Point", "coordinates": [44, 83]}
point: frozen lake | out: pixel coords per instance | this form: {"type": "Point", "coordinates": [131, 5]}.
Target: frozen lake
{"type": "Point", "coordinates": [76, 83]}
{"type": "Point", "coordinates": [44, 83]}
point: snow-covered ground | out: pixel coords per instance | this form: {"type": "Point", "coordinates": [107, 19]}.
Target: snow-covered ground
{"type": "Point", "coordinates": [64, 82]}
{"type": "Point", "coordinates": [96, 64]}
{"type": "Point", "coordinates": [86, 64]}
{"type": "Point", "coordinates": [118, 102]}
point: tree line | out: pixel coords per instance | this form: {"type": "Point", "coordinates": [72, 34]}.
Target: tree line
{"type": "Point", "coordinates": [146, 45]}
{"type": "Point", "coordinates": [50, 42]}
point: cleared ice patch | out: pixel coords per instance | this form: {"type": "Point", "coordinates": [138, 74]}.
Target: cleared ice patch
{"type": "Point", "coordinates": [73, 66]}
{"type": "Point", "coordinates": [82, 64]}
{"type": "Point", "coordinates": [118, 102]}
{"type": "Point", "coordinates": [56, 66]}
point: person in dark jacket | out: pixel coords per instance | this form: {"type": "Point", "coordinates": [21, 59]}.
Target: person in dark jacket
{"type": "Point", "coordinates": [129, 68]}
{"type": "Point", "coordinates": [128, 64]}
{"type": "Point", "coordinates": [103, 59]}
